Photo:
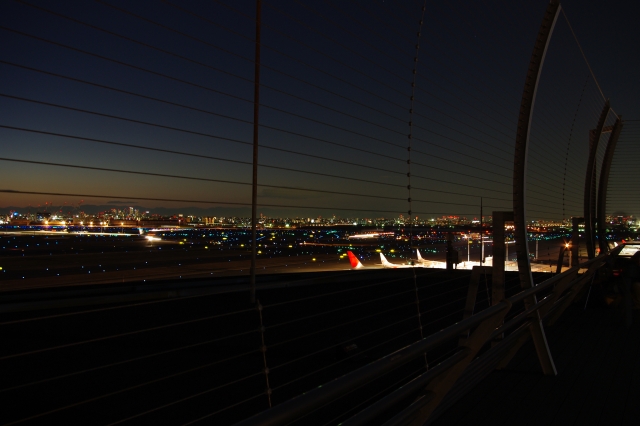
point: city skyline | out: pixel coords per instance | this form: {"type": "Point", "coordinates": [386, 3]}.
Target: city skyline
{"type": "Point", "coordinates": [109, 215]}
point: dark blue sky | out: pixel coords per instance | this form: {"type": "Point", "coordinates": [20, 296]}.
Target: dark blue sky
{"type": "Point", "coordinates": [335, 103]}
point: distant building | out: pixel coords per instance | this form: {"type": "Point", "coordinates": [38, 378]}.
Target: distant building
{"type": "Point", "coordinates": [42, 216]}
{"type": "Point", "coordinates": [160, 223]}
{"type": "Point", "coordinates": [123, 222]}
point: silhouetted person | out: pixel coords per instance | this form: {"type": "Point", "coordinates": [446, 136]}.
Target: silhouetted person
{"type": "Point", "coordinates": [632, 282]}
{"type": "Point", "coordinates": [452, 256]}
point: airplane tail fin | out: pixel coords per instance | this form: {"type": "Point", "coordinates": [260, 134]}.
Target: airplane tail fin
{"type": "Point", "coordinates": [385, 262]}
{"type": "Point", "coordinates": [355, 263]}
{"type": "Point", "coordinates": [420, 259]}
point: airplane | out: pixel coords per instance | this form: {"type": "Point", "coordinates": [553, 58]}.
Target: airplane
{"type": "Point", "coordinates": [425, 263]}
{"type": "Point", "coordinates": [387, 264]}
{"type": "Point", "coordinates": [355, 263]}
{"type": "Point", "coordinates": [420, 258]}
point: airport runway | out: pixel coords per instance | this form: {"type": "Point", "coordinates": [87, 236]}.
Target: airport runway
{"type": "Point", "coordinates": [49, 260]}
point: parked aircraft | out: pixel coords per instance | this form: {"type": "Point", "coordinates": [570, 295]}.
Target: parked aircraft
{"type": "Point", "coordinates": [420, 258]}
{"type": "Point", "coordinates": [388, 264]}
{"type": "Point", "coordinates": [356, 264]}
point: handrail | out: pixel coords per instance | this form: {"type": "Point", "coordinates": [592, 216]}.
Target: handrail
{"type": "Point", "coordinates": [518, 318]}
{"type": "Point", "coordinates": [554, 280]}
{"type": "Point", "coordinates": [372, 412]}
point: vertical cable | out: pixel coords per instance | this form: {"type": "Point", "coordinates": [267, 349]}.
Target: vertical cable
{"type": "Point", "coordinates": [566, 157]}
{"type": "Point", "coordinates": [411, 221]}
{"type": "Point", "coordinates": [256, 126]}
{"type": "Point", "coordinates": [481, 236]}
{"type": "Point", "coordinates": [584, 57]}
{"type": "Point", "coordinates": [263, 349]}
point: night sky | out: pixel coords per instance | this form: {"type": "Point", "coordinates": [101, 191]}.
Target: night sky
{"type": "Point", "coordinates": [112, 78]}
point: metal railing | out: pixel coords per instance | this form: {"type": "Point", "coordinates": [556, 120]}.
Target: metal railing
{"type": "Point", "coordinates": [429, 388]}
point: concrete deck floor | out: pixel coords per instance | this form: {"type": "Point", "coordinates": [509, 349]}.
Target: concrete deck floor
{"type": "Point", "coordinates": [598, 383]}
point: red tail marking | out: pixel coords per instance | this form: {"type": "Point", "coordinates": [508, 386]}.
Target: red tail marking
{"type": "Point", "coordinates": [353, 259]}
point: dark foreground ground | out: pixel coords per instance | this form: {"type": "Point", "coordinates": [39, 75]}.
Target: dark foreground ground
{"type": "Point", "coordinates": [200, 358]}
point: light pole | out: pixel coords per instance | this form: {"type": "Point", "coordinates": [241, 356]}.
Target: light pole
{"type": "Point", "coordinates": [481, 236]}
{"type": "Point", "coordinates": [506, 250]}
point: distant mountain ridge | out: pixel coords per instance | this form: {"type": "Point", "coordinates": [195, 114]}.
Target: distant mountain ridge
{"type": "Point", "coordinates": [92, 209]}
